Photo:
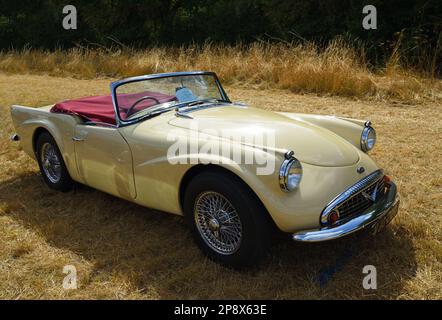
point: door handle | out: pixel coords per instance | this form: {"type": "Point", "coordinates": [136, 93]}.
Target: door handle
{"type": "Point", "coordinates": [76, 139]}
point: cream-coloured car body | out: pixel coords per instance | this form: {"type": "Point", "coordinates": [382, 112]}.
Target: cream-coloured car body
{"type": "Point", "coordinates": [131, 161]}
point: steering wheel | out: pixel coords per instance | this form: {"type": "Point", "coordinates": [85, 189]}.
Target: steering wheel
{"type": "Point", "coordinates": [131, 108]}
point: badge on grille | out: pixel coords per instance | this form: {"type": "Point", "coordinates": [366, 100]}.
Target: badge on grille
{"type": "Point", "coordinates": [373, 195]}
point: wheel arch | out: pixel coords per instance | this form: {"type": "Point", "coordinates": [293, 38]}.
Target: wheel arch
{"type": "Point", "coordinates": [201, 168]}
{"type": "Point", "coordinates": [37, 132]}
{"type": "Point", "coordinates": [68, 159]}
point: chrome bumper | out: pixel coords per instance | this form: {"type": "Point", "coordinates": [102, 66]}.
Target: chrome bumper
{"type": "Point", "coordinates": [375, 217]}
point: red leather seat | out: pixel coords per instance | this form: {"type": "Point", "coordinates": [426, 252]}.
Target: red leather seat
{"type": "Point", "coordinates": [101, 108]}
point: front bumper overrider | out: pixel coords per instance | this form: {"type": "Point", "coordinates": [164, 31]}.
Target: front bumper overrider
{"type": "Point", "coordinates": [375, 217]}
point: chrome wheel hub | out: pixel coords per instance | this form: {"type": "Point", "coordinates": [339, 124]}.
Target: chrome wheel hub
{"type": "Point", "coordinates": [50, 162]}
{"type": "Point", "coordinates": [214, 225]}
{"type": "Point", "coordinates": [218, 222]}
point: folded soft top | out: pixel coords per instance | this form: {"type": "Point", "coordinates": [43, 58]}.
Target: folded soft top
{"type": "Point", "coordinates": [101, 108]}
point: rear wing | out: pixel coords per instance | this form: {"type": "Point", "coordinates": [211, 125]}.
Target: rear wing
{"type": "Point", "coordinates": [28, 120]}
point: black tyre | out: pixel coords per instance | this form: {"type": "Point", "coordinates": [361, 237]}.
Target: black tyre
{"type": "Point", "coordinates": [228, 222]}
{"type": "Point", "coordinates": [52, 166]}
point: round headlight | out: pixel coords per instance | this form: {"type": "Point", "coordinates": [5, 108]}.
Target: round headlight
{"type": "Point", "coordinates": [290, 174]}
{"type": "Point", "coordinates": [368, 139]}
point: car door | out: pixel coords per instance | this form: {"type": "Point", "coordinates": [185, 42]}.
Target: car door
{"type": "Point", "coordinates": [104, 159]}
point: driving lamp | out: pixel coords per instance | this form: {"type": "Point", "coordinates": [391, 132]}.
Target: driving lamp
{"type": "Point", "coordinates": [290, 173]}
{"type": "Point", "coordinates": [368, 138]}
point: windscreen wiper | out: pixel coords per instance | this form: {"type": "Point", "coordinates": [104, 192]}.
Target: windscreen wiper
{"type": "Point", "coordinates": [155, 113]}
{"type": "Point", "coordinates": [199, 102]}
{"type": "Point", "coordinates": [195, 103]}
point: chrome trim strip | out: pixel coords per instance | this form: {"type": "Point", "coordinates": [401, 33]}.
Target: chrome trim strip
{"type": "Point", "coordinates": [387, 208]}
{"type": "Point", "coordinates": [350, 192]}
{"type": "Point", "coordinates": [98, 123]}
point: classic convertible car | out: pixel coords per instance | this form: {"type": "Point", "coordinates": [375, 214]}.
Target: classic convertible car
{"type": "Point", "coordinates": [156, 141]}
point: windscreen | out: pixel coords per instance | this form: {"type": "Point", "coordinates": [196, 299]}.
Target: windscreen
{"type": "Point", "coordinates": [140, 98]}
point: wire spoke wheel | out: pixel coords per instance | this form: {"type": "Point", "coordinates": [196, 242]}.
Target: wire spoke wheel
{"type": "Point", "coordinates": [50, 162]}
{"type": "Point", "coordinates": [218, 222]}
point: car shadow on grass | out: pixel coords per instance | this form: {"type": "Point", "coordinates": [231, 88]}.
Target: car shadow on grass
{"type": "Point", "coordinates": [154, 253]}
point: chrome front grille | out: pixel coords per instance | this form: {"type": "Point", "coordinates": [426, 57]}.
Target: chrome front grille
{"type": "Point", "coordinates": [358, 203]}
{"type": "Point", "coordinates": [356, 199]}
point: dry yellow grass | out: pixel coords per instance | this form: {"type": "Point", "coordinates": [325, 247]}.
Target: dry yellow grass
{"type": "Point", "coordinates": [303, 68]}
{"type": "Point", "coordinates": [128, 252]}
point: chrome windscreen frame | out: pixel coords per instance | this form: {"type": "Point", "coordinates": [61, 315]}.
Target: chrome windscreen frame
{"type": "Point", "coordinates": [116, 84]}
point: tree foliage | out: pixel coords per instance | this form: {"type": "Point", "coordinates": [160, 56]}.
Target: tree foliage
{"type": "Point", "coordinates": [38, 24]}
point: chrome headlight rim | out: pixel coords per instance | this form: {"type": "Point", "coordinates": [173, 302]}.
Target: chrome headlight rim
{"type": "Point", "coordinates": [284, 172]}
{"type": "Point", "coordinates": [365, 137]}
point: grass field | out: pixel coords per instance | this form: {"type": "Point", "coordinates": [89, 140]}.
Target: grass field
{"type": "Point", "coordinates": [340, 69]}
{"type": "Point", "coordinates": [125, 251]}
